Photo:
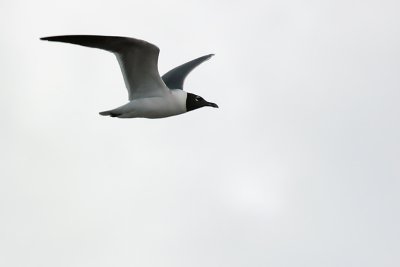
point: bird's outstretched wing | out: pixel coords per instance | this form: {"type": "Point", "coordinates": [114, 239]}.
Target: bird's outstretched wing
{"type": "Point", "coordinates": [175, 78]}
{"type": "Point", "coordinates": [138, 60]}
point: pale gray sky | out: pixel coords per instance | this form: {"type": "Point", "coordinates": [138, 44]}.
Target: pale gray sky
{"type": "Point", "coordinates": [300, 166]}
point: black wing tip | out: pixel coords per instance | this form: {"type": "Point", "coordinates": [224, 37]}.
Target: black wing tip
{"type": "Point", "coordinates": [206, 57]}
{"type": "Point", "coordinates": [64, 37]}
{"type": "Point", "coordinates": [50, 38]}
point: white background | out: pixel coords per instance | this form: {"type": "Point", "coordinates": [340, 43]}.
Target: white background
{"type": "Point", "coordinates": [300, 166]}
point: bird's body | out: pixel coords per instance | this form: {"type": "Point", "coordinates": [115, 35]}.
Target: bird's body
{"type": "Point", "coordinates": [150, 96]}
{"type": "Point", "coordinates": [171, 104]}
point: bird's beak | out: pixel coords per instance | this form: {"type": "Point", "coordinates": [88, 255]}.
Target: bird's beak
{"type": "Point", "coordinates": [212, 105]}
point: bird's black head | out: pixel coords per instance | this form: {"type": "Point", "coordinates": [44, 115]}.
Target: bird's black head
{"type": "Point", "coordinates": [194, 102]}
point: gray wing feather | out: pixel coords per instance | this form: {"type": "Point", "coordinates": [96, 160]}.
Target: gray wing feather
{"type": "Point", "coordinates": [138, 60]}
{"type": "Point", "coordinates": [175, 78]}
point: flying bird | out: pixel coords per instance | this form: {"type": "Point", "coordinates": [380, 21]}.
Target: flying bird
{"type": "Point", "coordinates": [150, 96]}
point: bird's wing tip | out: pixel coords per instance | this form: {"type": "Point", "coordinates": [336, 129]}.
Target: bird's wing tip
{"type": "Point", "coordinates": [207, 57]}
{"type": "Point", "coordinates": [45, 38]}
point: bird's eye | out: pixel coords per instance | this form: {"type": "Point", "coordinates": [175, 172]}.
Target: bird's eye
{"type": "Point", "coordinates": [197, 99]}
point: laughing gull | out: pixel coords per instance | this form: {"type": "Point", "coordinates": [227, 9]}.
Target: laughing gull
{"type": "Point", "coordinates": [150, 96]}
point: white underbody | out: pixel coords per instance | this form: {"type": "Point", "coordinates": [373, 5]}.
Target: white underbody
{"type": "Point", "coordinates": [173, 103]}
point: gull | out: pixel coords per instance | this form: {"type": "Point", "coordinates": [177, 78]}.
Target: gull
{"type": "Point", "coordinates": [150, 96]}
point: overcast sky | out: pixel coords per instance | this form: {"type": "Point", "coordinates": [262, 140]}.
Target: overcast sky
{"type": "Point", "coordinates": [300, 166]}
